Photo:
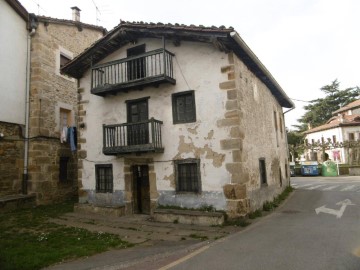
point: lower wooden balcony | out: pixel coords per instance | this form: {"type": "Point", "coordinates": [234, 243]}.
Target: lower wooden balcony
{"type": "Point", "coordinates": [126, 138]}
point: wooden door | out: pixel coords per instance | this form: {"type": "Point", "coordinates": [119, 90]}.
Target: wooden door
{"type": "Point", "coordinates": [137, 113]}
{"type": "Point", "coordinates": [136, 69]}
{"type": "Point", "coordinates": [141, 189]}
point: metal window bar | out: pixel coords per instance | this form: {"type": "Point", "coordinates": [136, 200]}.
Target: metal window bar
{"type": "Point", "coordinates": [104, 178]}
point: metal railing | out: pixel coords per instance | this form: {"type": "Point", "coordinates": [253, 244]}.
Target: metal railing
{"type": "Point", "coordinates": [157, 63]}
{"type": "Point", "coordinates": [142, 136]}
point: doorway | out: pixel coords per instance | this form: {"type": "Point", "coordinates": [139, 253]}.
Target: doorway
{"type": "Point", "coordinates": [141, 189]}
{"type": "Point", "coordinates": [137, 67]}
{"type": "Point", "coordinates": [137, 113]}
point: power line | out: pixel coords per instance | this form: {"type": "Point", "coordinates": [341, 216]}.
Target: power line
{"type": "Point", "coordinates": [300, 100]}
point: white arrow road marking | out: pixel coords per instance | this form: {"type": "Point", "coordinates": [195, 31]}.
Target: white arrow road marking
{"type": "Point", "coordinates": [348, 188]}
{"type": "Point", "coordinates": [337, 213]}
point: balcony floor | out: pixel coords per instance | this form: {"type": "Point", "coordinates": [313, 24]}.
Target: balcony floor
{"type": "Point", "coordinates": [111, 89]}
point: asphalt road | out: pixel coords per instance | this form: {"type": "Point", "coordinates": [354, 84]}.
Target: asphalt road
{"type": "Point", "coordinates": [317, 228]}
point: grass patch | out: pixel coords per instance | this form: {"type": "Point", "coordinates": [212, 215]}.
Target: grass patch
{"type": "Point", "coordinates": [255, 214]}
{"type": "Point", "coordinates": [197, 236]}
{"type": "Point", "coordinates": [30, 241]}
{"type": "Point", "coordinates": [239, 222]}
{"type": "Point", "coordinates": [269, 206]}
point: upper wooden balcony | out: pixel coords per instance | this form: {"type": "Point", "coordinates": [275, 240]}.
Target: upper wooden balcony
{"type": "Point", "coordinates": [150, 68]}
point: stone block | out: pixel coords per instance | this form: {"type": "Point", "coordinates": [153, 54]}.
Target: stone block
{"type": "Point", "coordinates": [228, 122]}
{"type": "Point", "coordinates": [82, 154]}
{"type": "Point", "coordinates": [231, 75]}
{"type": "Point", "coordinates": [226, 69]}
{"type": "Point", "coordinates": [232, 114]}
{"type": "Point", "coordinates": [232, 94]}
{"type": "Point", "coordinates": [229, 144]}
{"type": "Point", "coordinates": [227, 85]}
{"type": "Point", "coordinates": [229, 191]}
{"type": "Point", "coordinates": [237, 156]}
{"type": "Point", "coordinates": [231, 58]}
{"type": "Point", "coordinates": [231, 105]}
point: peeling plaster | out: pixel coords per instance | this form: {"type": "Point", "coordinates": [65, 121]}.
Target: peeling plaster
{"type": "Point", "coordinates": [210, 135]}
{"type": "Point", "coordinates": [170, 178]}
{"type": "Point", "coordinates": [193, 130]}
{"type": "Point", "coordinates": [184, 147]}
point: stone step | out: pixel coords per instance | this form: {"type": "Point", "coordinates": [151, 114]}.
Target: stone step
{"type": "Point", "coordinates": [13, 202]}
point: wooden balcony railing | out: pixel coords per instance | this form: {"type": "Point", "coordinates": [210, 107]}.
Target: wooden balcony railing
{"type": "Point", "coordinates": [150, 68]}
{"type": "Point", "coordinates": [132, 137]}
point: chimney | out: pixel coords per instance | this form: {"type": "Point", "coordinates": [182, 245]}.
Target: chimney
{"type": "Point", "coordinates": [76, 14]}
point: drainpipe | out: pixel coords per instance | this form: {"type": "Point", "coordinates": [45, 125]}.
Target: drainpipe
{"type": "Point", "coordinates": [25, 175]}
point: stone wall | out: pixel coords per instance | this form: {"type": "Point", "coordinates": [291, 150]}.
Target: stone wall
{"type": "Point", "coordinates": [51, 92]}
{"type": "Point", "coordinates": [11, 159]}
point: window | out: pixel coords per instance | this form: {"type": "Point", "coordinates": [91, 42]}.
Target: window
{"type": "Point", "coordinates": [65, 118]}
{"type": "Point", "coordinates": [62, 57]}
{"type": "Point", "coordinates": [64, 60]}
{"type": "Point", "coordinates": [63, 169]}
{"type": "Point", "coordinates": [184, 107]}
{"type": "Point", "coordinates": [334, 138]}
{"type": "Point", "coordinates": [187, 173]}
{"type": "Point", "coordinates": [276, 129]}
{"type": "Point", "coordinates": [262, 168]}
{"type": "Point", "coordinates": [104, 178]}
{"type": "Point", "coordinates": [351, 136]}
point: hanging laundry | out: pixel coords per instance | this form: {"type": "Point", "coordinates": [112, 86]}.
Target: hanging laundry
{"type": "Point", "coordinates": [63, 135]}
{"type": "Point", "coordinates": [72, 138]}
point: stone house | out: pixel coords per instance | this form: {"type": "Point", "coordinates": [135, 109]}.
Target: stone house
{"type": "Point", "coordinates": [47, 102]}
{"type": "Point", "coordinates": [178, 115]}
{"type": "Point", "coordinates": [343, 126]}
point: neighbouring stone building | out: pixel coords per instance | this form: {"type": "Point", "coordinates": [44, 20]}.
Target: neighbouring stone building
{"type": "Point", "coordinates": [178, 115]}
{"type": "Point", "coordinates": [50, 167]}
{"type": "Point", "coordinates": [344, 126]}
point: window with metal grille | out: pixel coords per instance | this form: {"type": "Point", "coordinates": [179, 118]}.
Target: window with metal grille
{"type": "Point", "coordinates": [351, 136]}
{"type": "Point", "coordinates": [104, 178]}
{"type": "Point", "coordinates": [188, 175]}
{"type": "Point", "coordinates": [262, 168]}
{"type": "Point", "coordinates": [184, 107]}
{"type": "Point", "coordinates": [63, 169]}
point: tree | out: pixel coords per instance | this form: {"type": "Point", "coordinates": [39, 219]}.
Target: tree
{"type": "Point", "coordinates": [295, 140]}
{"type": "Point", "coordinates": [320, 110]}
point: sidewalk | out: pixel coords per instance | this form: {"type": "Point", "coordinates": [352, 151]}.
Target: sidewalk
{"type": "Point", "coordinates": [153, 240]}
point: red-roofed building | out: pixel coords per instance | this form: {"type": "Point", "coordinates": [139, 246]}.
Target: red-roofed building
{"type": "Point", "coordinates": [344, 126]}
{"type": "Point", "coordinates": [178, 115]}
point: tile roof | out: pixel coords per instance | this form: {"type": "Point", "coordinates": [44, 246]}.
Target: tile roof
{"type": "Point", "coordinates": [352, 105]}
{"type": "Point", "coordinates": [225, 38]}
{"type": "Point", "coordinates": [71, 22]}
{"type": "Point", "coordinates": [335, 121]}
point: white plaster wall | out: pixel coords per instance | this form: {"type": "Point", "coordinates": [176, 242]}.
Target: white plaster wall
{"type": "Point", "coordinates": [341, 133]}
{"type": "Point", "coordinates": [197, 67]}
{"type": "Point", "coordinates": [13, 48]}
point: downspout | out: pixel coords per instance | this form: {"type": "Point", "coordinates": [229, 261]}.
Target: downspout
{"type": "Point", "coordinates": [25, 176]}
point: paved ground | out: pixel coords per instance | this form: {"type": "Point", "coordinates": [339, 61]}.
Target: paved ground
{"type": "Point", "coordinates": [340, 183]}
{"type": "Point", "coordinates": [154, 240]}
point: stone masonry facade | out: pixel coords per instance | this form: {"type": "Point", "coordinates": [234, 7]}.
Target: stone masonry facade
{"type": "Point", "coordinates": [11, 156]}
{"type": "Point", "coordinates": [50, 93]}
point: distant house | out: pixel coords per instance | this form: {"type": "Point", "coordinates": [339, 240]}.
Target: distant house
{"type": "Point", "coordinates": [178, 115]}
{"type": "Point", "coordinates": [38, 102]}
{"type": "Point", "coordinates": [343, 126]}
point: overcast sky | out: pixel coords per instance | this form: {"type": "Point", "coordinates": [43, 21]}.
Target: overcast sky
{"type": "Point", "coordinates": [305, 44]}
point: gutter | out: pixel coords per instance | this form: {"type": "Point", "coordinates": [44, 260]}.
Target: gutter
{"type": "Point", "coordinates": [25, 176]}
{"type": "Point", "coordinates": [236, 37]}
